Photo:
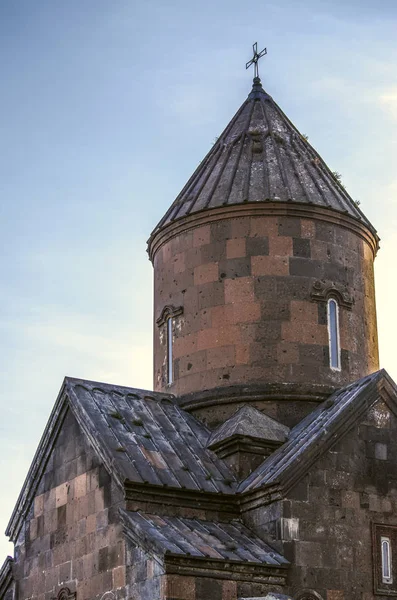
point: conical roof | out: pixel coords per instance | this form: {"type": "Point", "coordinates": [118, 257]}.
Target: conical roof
{"type": "Point", "coordinates": [261, 157]}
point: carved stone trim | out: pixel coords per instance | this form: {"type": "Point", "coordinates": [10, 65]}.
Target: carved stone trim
{"type": "Point", "coordinates": [168, 312]}
{"type": "Point", "coordinates": [322, 291]}
{"type": "Point", "coordinates": [304, 211]}
{"type": "Point", "coordinates": [65, 594]}
{"type": "Point", "coordinates": [225, 569]}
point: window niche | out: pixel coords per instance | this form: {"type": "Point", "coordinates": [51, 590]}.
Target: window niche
{"type": "Point", "coordinates": [333, 334]}
{"type": "Point", "coordinates": [166, 321]}
{"type": "Point", "coordinates": [333, 297]}
{"type": "Point", "coordinates": [384, 548]}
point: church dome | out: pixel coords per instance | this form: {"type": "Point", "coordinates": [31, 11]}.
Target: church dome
{"type": "Point", "coordinates": [261, 157]}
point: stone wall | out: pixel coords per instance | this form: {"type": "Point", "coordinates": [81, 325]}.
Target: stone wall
{"type": "Point", "coordinates": [180, 587]}
{"type": "Point", "coordinates": [246, 286]}
{"type": "Point", "coordinates": [71, 536]}
{"type": "Point", "coordinates": [324, 527]}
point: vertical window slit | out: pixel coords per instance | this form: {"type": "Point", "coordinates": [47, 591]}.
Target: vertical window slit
{"type": "Point", "coordinates": [386, 560]}
{"type": "Point", "coordinates": [333, 334]}
{"type": "Point", "coordinates": [170, 362]}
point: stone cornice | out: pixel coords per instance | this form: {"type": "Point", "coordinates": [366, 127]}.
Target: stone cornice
{"type": "Point", "coordinates": [138, 496]}
{"type": "Point", "coordinates": [279, 392]}
{"type": "Point", "coordinates": [243, 443]}
{"type": "Point", "coordinates": [305, 211]}
{"type": "Point", "coordinates": [225, 569]}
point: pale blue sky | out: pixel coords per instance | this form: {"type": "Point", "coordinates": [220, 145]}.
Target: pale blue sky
{"type": "Point", "coordinates": [107, 106]}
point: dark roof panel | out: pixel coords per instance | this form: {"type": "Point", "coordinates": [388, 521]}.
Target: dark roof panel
{"type": "Point", "coordinates": [203, 539]}
{"type": "Point", "coordinates": [260, 157]}
{"type": "Point", "coordinates": [148, 438]}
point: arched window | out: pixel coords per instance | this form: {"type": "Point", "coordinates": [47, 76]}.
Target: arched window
{"type": "Point", "coordinates": [170, 360]}
{"type": "Point", "coordinates": [166, 322]}
{"type": "Point", "coordinates": [333, 334]}
{"type": "Point", "coordinates": [386, 560]}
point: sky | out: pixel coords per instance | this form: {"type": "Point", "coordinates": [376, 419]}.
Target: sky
{"type": "Point", "coordinates": [106, 108]}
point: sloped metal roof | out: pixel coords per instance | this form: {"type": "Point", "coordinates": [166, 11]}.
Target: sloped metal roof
{"type": "Point", "coordinates": [231, 541]}
{"type": "Point", "coordinates": [148, 438]}
{"type": "Point", "coordinates": [316, 432]}
{"type": "Point", "coordinates": [251, 422]}
{"type": "Point", "coordinates": [260, 157]}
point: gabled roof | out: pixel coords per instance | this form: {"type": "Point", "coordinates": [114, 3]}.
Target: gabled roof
{"type": "Point", "coordinates": [320, 430]}
{"type": "Point", "coordinates": [147, 437]}
{"type": "Point", "coordinates": [249, 422]}
{"type": "Point", "coordinates": [140, 436]}
{"type": "Point", "coordinates": [261, 157]}
{"type": "Point", "coordinates": [202, 539]}
{"type": "Point", "coordinates": [6, 576]}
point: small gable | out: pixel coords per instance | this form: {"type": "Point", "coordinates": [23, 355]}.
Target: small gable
{"type": "Point", "coordinates": [323, 428]}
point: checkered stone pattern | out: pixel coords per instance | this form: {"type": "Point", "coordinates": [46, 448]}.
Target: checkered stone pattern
{"type": "Point", "coordinates": [71, 536]}
{"type": "Point", "coordinates": [245, 284]}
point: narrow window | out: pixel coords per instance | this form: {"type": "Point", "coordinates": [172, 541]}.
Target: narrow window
{"type": "Point", "coordinates": [386, 560]}
{"type": "Point", "coordinates": [170, 363]}
{"type": "Point", "coordinates": [333, 334]}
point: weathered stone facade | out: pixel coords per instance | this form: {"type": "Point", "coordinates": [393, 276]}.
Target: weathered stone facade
{"type": "Point", "coordinates": [71, 536]}
{"type": "Point", "coordinates": [252, 313]}
{"type": "Point", "coordinates": [256, 469]}
{"type": "Point", "coordinates": [324, 523]}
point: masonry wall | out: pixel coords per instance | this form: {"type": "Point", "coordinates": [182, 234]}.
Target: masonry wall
{"type": "Point", "coordinates": [245, 284]}
{"type": "Point", "coordinates": [181, 587]}
{"type": "Point", "coordinates": [71, 536]}
{"type": "Point", "coordinates": [324, 527]}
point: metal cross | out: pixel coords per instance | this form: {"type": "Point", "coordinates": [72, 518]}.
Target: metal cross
{"type": "Point", "coordinates": [256, 57]}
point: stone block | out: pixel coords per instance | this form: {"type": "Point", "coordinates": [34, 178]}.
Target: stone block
{"type": "Point", "coordinates": [80, 485]}
{"type": "Point", "coordinates": [235, 248]}
{"type": "Point", "coordinates": [201, 236]}
{"type": "Point", "coordinates": [229, 590]}
{"type": "Point", "coordinates": [308, 229]}
{"type": "Point", "coordinates": [263, 226]}
{"type": "Point", "coordinates": [239, 290]}
{"type": "Point", "coordinates": [269, 265]}
{"type": "Point", "coordinates": [234, 267]}
{"type": "Point", "coordinates": [119, 579]}
{"type": "Point", "coordinates": [280, 246]}
{"type": "Point", "coordinates": [206, 273]}
{"type": "Point", "coordinates": [258, 246]}
{"type": "Point", "coordinates": [180, 588]}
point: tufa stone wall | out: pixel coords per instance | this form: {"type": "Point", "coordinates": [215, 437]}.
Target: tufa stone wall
{"type": "Point", "coordinates": [246, 284]}
{"type": "Point", "coordinates": [324, 526]}
{"type": "Point", "coordinates": [71, 536]}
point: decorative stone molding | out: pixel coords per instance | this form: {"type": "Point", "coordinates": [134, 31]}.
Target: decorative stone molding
{"type": "Point", "coordinates": [322, 291]}
{"type": "Point", "coordinates": [168, 312]}
{"type": "Point", "coordinates": [211, 215]}
{"type": "Point", "coordinates": [65, 594]}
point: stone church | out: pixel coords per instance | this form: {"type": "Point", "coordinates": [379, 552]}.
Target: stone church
{"type": "Point", "coordinates": [264, 463]}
